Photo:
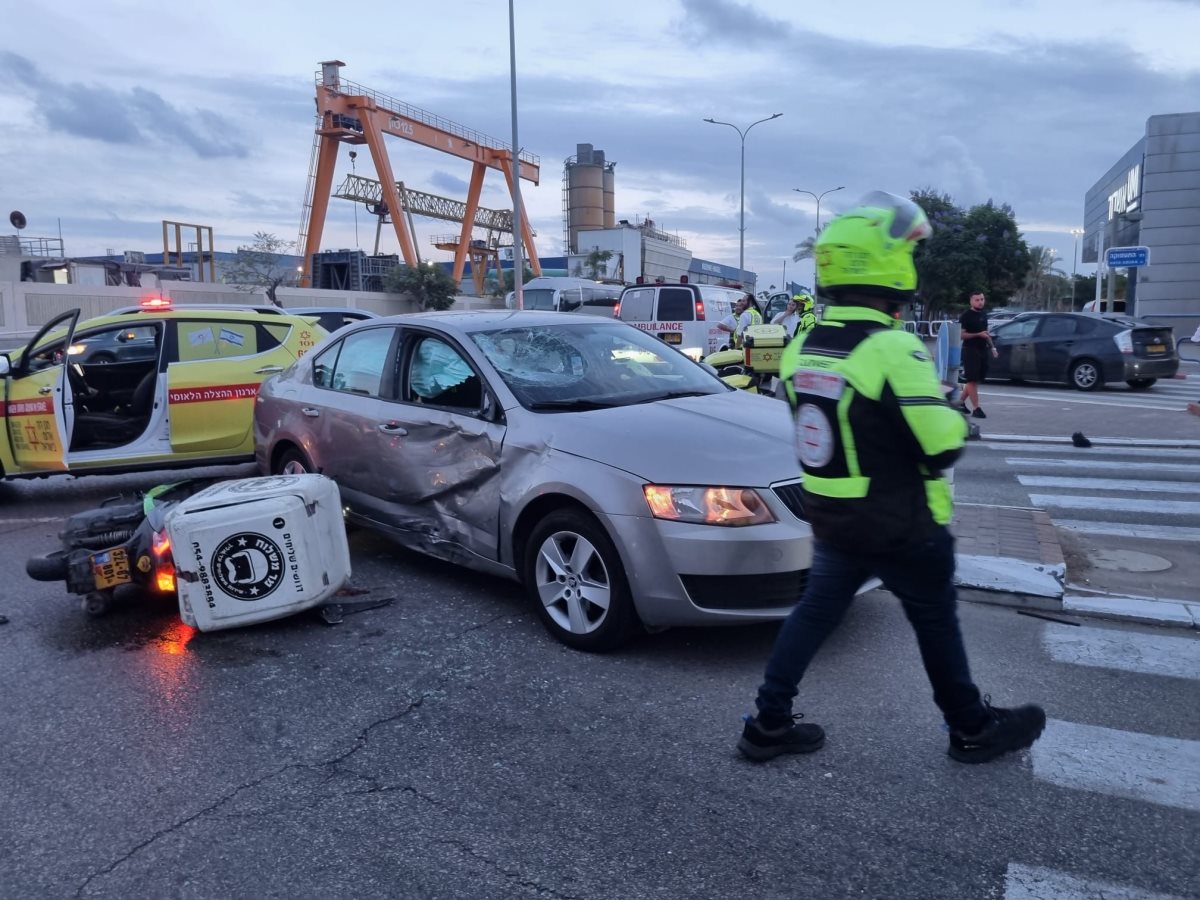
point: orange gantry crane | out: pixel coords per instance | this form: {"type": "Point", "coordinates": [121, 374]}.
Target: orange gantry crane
{"type": "Point", "coordinates": [348, 113]}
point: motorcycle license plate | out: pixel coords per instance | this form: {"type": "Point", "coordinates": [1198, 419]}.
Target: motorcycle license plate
{"type": "Point", "coordinates": [1156, 348]}
{"type": "Point", "coordinates": [110, 568]}
{"type": "Point", "coordinates": [673, 337]}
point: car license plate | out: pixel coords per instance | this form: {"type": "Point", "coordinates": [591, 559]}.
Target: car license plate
{"type": "Point", "coordinates": [673, 337]}
{"type": "Point", "coordinates": [110, 568]}
{"type": "Point", "coordinates": [1156, 348]}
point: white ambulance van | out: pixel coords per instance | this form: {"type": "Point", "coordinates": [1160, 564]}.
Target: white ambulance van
{"type": "Point", "coordinates": [682, 314]}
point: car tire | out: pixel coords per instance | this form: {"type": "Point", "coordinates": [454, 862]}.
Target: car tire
{"type": "Point", "coordinates": [576, 582]}
{"type": "Point", "coordinates": [1086, 375]}
{"type": "Point", "coordinates": [102, 359]}
{"type": "Point", "coordinates": [1141, 384]}
{"type": "Point", "coordinates": [52, 567]}
{"type": "Point", "coordinates": [292, 462]}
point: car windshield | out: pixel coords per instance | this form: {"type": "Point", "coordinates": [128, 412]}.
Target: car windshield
{"type": "Point", "coordinates": [591, 365]}
{"type": "Point", "coordinates": [538, 298]}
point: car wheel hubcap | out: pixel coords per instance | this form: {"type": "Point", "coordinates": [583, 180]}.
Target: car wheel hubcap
{"type": "Point", "coordinates": [572, 582]}
{"type": "Point", "coordinates": [1085, 376]}
{"type": "Point", "coordinates": [294, 467]}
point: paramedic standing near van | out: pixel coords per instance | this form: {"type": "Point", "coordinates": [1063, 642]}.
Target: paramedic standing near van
{"type": "Point", "coordinates": [874, 434]}
{"type": "Point", "coordinates": [745, 314]}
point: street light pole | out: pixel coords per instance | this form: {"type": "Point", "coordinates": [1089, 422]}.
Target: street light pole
{"type": "Point", "coordinates": [518, 255]}
{"type": "Point", "coordinates": [817, 230]}
{"type": "Point", "coordinates": [742, 206]}
{"type": "Point", "coordinates": [1075, 233]}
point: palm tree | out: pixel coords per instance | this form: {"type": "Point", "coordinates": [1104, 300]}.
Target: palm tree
{"type": "Point", "coordinates": [1042, 275]}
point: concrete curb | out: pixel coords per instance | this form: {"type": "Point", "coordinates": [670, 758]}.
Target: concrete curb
{"type": "Point", "coordinates": [1019, 584]}
{"type": "Point", "coordinates": [1011, 576]}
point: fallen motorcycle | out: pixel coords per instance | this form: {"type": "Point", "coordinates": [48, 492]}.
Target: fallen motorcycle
{"type": "Point", "coordinates": [231, 552]}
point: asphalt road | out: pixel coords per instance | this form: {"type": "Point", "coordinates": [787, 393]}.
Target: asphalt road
{"type": "Point", "coordinates": [445, 746]}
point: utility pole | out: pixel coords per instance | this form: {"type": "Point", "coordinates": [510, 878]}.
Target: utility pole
{"type": "Point", "coordinates": [518, 255]}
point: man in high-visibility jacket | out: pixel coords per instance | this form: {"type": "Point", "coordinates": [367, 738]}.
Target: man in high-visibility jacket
{"type": "Point", "coordinates": [874, 435]}
{"type": "Point", "coordinates": [745, 314]}
{"type": "Point", "coordinates": [808, 318]}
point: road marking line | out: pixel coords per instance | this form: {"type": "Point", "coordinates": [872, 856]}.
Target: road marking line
{"type": "Point", "coordinates": [1101, 465]}
{"type": "Point", "coordinates": [1035, 883]}
{"type": "Point", "coordinates": [1130, 529]}
{"type": "Point", "coordinates": [1065, 446]}
{"type": "Point", "coordinates": [1127, 403]}
{"type": "Point", "coordinates": [1110, 484]}
{"type": "Point", "coordinates": [1148, 654]}
{"type": "Point", "coordinates": [1117, 504]}
{"type": "Point", "coordinates": [1144, 767]}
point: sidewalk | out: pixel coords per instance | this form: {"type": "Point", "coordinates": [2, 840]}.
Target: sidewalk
{"type": "Point", "coordinates": [1011, 556]}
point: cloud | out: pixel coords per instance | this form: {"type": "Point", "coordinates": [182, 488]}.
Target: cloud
{"type": "Point", "coordinates": [124, 118]}
{"type": "Point", "coordinates": [447, 182]}
{"type": "Point", "coordinates": [730, 22]}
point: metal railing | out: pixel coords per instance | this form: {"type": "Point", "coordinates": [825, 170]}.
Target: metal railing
{"type": "Point", "coordinates": [391, 104]}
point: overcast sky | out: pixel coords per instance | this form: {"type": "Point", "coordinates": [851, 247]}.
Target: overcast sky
{"type": "Point", "coordinates": [118, 115]}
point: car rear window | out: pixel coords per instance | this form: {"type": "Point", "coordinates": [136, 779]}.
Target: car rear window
{"type": "Point", "coordinates": [637, 305]}
{"type": "Point", "coordinates": [675, 305]}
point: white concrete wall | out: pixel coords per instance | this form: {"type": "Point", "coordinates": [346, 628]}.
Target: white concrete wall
{"type": "Point", "coordinates": [27, 305]}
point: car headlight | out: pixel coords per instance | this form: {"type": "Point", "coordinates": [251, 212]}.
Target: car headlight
{"type": "Point", "coordinates": [707, 505]}
{"type": "Point", "coordinates": [76, 349]}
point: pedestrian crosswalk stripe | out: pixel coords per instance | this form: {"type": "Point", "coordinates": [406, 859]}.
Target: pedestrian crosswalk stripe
{"type": "Point", "coordinates": [1138, 401]}
{"type": "Point", "coordinates": [1110, 484]}
{"type": "Point", "coordinates": [1086, 454]}
{"type": "Point", "coordinates": [1036, 883]}
{"type": "Point", "coordinates": [1127, 651]}
{"type": "Point", "coordinates": [1117, 504]}
{"type": "Point", "coordinates": [1131, 529]}
{"type": "Point", "coordinates": [1143, 767]}
{"type": "Point", "coordinates": [1099, 465]}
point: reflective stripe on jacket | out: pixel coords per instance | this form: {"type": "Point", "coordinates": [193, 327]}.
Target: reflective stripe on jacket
{"type": "Point", "coordinates": [873, 431]}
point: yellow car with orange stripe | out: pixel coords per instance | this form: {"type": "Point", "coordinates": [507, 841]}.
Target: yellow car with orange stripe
{"type": "Point", "coordinates": [148, 387]}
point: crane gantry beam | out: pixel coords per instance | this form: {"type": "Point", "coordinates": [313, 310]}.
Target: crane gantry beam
{"type": "Point", "coordinates": [352, 114]}
{"type": "Point", "coordinates": [419, 203]}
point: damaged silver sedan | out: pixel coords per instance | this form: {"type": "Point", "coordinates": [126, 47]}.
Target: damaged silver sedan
{"type": "Point", "coordinates": [623, 484]}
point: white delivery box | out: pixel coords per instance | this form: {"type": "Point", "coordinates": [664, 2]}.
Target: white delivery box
{"type": "Point", "coordinates": [258, 549]}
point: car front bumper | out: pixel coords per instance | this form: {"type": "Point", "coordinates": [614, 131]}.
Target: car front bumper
{"type": "Point", "coordinates": [684, 574]}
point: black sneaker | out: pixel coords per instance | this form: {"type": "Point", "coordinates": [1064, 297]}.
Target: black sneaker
{"type": "Point", "coordinates": [978, 414]}
{"type": "Point", "coordinates": [1007, 730]}
{"type": "Point", "coordinates": [760, 744]}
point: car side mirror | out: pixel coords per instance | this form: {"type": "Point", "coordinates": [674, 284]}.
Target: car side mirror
{"type": "Point", "coordinates": [490, 411]}
{"type": "Point", "coordinates": [5, 364]}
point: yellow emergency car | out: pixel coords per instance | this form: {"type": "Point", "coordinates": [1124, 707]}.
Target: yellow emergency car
{"type": "Point", "coordinates": [143, 388]}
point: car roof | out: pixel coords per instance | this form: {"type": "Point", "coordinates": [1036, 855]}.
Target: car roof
{"type": "Point", "coordinates": [341, 310]}
{"type": "Point", "coordinates": [466, 321]}
{"type": "Point", "coordinates": [227, 313]}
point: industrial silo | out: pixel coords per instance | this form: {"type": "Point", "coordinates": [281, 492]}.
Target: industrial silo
{"type": "Point", "coordinates": [588, 185]}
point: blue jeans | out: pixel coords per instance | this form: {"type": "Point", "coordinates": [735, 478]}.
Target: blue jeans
{"type": "Point", "coordinates": [923, 580]}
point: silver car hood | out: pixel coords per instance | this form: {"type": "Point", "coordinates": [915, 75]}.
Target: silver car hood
{"type": "Point", "coordinates": [716, 439]}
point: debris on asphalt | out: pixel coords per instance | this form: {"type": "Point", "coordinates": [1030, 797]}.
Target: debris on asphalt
{"type": "Point", "coordinates": [1079, 440]}
{"type": "Point", "coordinates": [334, 613]}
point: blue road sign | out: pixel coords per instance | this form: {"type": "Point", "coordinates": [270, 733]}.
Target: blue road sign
{"type": "Point", "coordinates": [1126, 257]}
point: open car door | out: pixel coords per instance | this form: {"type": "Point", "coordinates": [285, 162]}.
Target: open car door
{"type": "Point", "coordinates": [38, 404]}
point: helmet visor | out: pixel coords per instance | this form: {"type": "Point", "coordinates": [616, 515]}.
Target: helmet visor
{"type": "Point", "coordinates": [909, 222]}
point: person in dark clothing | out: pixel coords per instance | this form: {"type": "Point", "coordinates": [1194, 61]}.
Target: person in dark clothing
{"type": "Point", "coordinates": [977, 350]}
{"type": "Point", "coordinates": [874, 436]}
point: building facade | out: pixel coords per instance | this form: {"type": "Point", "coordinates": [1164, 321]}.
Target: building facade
{"type": "Point", "coordinates": [1151, 198]}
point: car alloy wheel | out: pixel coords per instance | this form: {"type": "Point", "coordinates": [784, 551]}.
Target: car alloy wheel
{"type": "Point", "coordinates": [292, 463]}
{"type": "Point", "coordinates": [575, 579]}
{"type": "Point", "coordinates": [1085, 375]}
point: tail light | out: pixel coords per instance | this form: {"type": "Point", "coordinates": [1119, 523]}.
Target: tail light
{"type": "Point", "coordinates": [617, 310]}
{"type": "Point", "coordinates": [699, 310]}
{"type": "Point", "coordinates": [164, 568]}
{"type": "Point", "coordinates": [1124, 341]}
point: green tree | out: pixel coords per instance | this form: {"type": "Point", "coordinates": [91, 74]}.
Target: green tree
{"type": "Point", "coordinates": [431, 286]}
{"type": "Point", "coordinates": [262, 265]}
{"type": "Point", "coordinates": [950, 262]}
{"type": "Point", "coordinates": [805, 249]}
{"type": "Point", "coordinates": [597, 263]}
{"type": "Point", "coordinates": [1004, 252]}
